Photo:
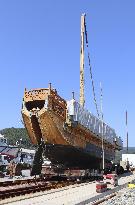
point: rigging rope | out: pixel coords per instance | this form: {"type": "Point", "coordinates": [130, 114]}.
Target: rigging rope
{"type": "Point", "coordinates": [91, 76]}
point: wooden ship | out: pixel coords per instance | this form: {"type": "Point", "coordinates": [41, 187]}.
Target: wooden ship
{"type": "Point", "coordinates": [72, 135]}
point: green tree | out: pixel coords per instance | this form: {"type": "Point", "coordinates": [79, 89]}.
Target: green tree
{"type": "Point", "coordinates": [15, 134]}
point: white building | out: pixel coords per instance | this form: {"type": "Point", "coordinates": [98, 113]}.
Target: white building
{"type": "Point", "coordinates": [130, 158]}
{"type": "Point", "coordinates": [25, 156]}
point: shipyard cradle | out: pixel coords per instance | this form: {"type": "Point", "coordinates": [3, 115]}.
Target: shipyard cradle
{"type": "Point", "coordinates": [73, 136]}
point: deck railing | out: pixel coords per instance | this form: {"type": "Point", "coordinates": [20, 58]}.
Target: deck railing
{"type": "Point", "coordinates": [36, 94]}
{"type": "Point", "coordinates": [89, 121]}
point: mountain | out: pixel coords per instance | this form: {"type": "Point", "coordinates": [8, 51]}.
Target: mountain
{"type": "Point", "coordinates": [19, 135]}
{"type": "Point", "coordinates": [131, 150]}
{"type": "Point", "coordinates": [15, 134]}
{"type": "Point", "coordinates": [118, 154]}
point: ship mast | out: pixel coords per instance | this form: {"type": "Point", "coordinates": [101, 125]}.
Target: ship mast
{"type": "Point", "coordinates": [82, 100]}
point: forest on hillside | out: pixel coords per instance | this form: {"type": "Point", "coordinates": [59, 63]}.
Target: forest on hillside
{"type": "Point", "coordinates": [17, 136]}
{"type": "Point", "coordinates": [14, 135]}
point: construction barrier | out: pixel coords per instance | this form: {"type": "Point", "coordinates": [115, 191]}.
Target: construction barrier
{"type": "Point", "coordinates": [112, 179]}
{"type": "Point", "coordinates": [131, 186]}
{"type": "Point", "coordinates": [101, 187]}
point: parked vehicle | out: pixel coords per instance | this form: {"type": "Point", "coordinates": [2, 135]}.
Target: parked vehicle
{"type": "Point", "coordinates": [4, 160]}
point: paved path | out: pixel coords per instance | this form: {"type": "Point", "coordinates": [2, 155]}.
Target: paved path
{"type": "Point", "coordinates": [73, 194]}
{"type": "Point", "coordinates": [7, 178]}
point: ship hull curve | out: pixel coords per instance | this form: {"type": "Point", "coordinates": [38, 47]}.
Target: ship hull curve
{"type": "Point", "coordinates": [72, 157]}
{"type": "Point", "coordinates": [48, 119]}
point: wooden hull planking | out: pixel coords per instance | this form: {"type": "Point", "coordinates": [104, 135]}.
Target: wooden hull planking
{"type": "Point", "coordinates": [47, 121]}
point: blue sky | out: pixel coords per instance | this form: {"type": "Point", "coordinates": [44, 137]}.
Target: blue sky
{"type": "Point", "coordinates": [40, 43]}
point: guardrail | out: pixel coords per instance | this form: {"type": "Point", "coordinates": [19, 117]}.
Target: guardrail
{"type": "Point", "coordinates": [88, 120]}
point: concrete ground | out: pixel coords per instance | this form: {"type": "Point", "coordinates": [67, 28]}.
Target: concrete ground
{"type": "Point", "coordinates": [74, 194]}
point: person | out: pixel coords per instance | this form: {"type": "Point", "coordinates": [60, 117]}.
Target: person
{"type": "Point", "coordinates": [12, 168]}
{"type": "Point", "coordinates": [21, 158]}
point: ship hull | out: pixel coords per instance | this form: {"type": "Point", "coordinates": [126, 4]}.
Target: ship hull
{"type": "Point", "coordinates": [68, 142]}
{"type": "Point", "coordinates": [72, 157]}
{"type": "Point", "coordinates": [71, 146]}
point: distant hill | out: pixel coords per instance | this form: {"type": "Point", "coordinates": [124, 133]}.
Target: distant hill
{"type": "Point", "coordinates": [118, 155]}
{"type": "Point", "coordinates": [131, 150]}
{"type": "Point", "coordinates": [15, 134]}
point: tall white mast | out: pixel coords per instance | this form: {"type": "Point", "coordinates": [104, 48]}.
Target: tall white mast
{"type": "Point", "coordinates": [82, 100]}
{"type": "Point", "coordinates": [127, 129]}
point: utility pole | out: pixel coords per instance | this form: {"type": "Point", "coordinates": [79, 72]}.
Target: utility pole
{"type": "Point", "coordinates": [82, 100]}
{"type": "Point", "coordinates": [127, 129]}
{"type": "Point", "coordinates": [102, 130]}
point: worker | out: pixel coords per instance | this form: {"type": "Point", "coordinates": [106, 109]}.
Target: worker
{"type": "Point", "coordinates": [12, 168]}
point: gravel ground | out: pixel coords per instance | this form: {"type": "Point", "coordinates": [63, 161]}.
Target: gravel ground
{"type": "Point", "coordinates": [124, 197]}
{"type": "Point", "coordinates": [76, 194]}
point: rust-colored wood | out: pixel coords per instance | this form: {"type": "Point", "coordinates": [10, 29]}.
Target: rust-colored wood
{"type": "Point", "coordinates": [29, 128]}
{"type": "Point", "coordinates": [52, 119]}
{"type": "Point", "coordinates": [36, 94]}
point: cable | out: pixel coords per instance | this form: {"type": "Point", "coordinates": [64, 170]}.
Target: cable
{"type": "Point", "coordinates": [90, 68]}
